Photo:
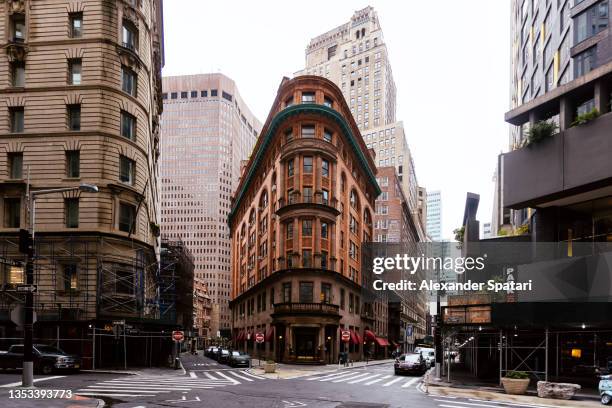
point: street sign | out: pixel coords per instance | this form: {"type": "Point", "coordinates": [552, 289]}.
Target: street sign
{"type": "Point", "coordinates": [346, 336]}
{"type": "Point", "coordinates": [27, 288]}
{"type": "Point", "coordinates": [178, 336]}
{"type": "Point", "coordinates": [259, 337]}
{"type": "Point", "coordinates": [17, 316]}
{"type": "Point", "coordinates": [409, 331]}
{"type": "Point", "coordinates": [119, 322]}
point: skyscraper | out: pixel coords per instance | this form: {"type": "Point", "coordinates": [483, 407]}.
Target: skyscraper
{"type": "Point", "coordinates": [208, 130]}
{"type": "Point", "coordinates": [355, 57]}
{"type": "Point", "coordinates": [81, 99]}
{"type": "Point", "coordinates": [434, 215]}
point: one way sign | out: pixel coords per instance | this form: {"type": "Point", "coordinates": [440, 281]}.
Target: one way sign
{"type": "Point", "coordinates": [27, 288]}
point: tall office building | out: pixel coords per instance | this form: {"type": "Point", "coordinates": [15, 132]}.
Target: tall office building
{"type": "Point", "coordinates": [208, 130]}
{"type": "Point", "coordinates": [434, 215]}
{"type": "Point", "coordinates": [81, 98]}
{"type": "Point", "coordinates": [355, 57]}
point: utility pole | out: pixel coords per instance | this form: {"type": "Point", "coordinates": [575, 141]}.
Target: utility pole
{"type": "Point", "coordinates": [438, 333]}
{"type": "Point", "coordinates": [26, 246]}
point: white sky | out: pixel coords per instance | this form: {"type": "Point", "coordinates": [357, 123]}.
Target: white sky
{"type": "Point", "coordinates": [450, 62]}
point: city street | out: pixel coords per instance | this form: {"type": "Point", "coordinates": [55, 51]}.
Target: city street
{"type": "Point", "coordinates": [209, 384]}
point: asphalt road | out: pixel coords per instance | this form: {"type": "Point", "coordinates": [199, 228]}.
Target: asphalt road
{"type": "Point", "coordinates": [209, 384]}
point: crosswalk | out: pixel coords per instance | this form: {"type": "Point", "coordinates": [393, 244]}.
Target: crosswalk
{"type": "Point", "coordinates": [360, 378]}
{"type": "Point", "coordinates": [454, 402]}
{"type": "Point", "coordinates": [205, 364]}
{"type": "Point", "coordinates": [151, 385]}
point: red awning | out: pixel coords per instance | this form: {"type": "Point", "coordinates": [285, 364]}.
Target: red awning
{"type": "Point", "coordinates": [369, 336]}
{"type": "Point", "coordinates": [381, 342]}
{"type": "Point", "coordinates": [354, 338]}
{"type": "Point", "coordinates": [359, 339]}
{"type": "Point", "coordinates": [240, 336]}
{"type": "Point", "coordinates": [270, 334]}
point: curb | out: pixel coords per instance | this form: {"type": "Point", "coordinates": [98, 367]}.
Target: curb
{"type": "Point", "coordinates": [110, 372]}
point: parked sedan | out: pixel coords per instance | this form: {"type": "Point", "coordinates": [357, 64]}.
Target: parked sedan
{"type": "Point", "coordinates": [211, 352]}
{"type": "Point", "coordinates": [239, 358]}
{"type": "Point", "coordinates": [46, 359]}
{"type": "Point", "coordinates": [223, 356]}
{"type": "Point", "coordinates": [412, 363]}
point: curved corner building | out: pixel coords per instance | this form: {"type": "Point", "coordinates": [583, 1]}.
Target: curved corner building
{"type": "Point", "coordinates": [302, 210]}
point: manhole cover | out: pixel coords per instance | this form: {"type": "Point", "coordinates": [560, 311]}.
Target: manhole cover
{"type": "Point", "coordinates": [361, 405]}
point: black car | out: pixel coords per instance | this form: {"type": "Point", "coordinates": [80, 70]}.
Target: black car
{"type": "Point", "coordinates": [239, 358]}
{"type": "Point", "coordinates": [223, 356]}
{"type": "Point", "coordinates": [211, 351]}
{"type": "Point", "coordinates": [412, 363]}
{"type": "Point", "coordinates": [46, 359]}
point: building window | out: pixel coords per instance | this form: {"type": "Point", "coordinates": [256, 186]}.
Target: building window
{"type": "Point", "coordinates": [213, 92]}
{"type": "Point", "coordinates": [226, 96]}
{"type": "Point", "coordinates": [15, 165]}
{"type": "Point", "coordinates": [287, 292]}
{"type": "Point", "coordinates": [184, 95]}
{"type": "Point", "coordinates": [194, 94]}
{"type": "Point", "coordinates": [307, 165]}
{"type": "Point", "coordinates": [307, 194]}
{"type": "Point", "coordinates": [70, 277]}
{"type": "Point", "coordinates": [307, 258]}
{"type": "Point", "coordinates": [591, 21]}
{"type": "Point", "coordinates": [290, 168]}
{"type": "Point", "coordinates": [18, 74]}
{"type": "Point", "coordinates": [308, 97]}
{"type": "Point", "coordinates": [324, 197]}
{"type": "Point", "coordinates": [327, 135]}
{"type": "Point", "coordinates": [18, 27]}
{"type": "Point", "coordinates": [306, 292]}
{"type": "Point", "coordinates": [324, 230]}
{"type": "Point", "coordinates": [16, 119]}
{"type": "Point", "coordinates": [308, 131]}
{"type": "Point", "coordinates": [71, 207]}
{"type": "Point", "coordinates": [12, 212]}
{"type": "Point", "coordinates": [324, 168]}
{"type": "Point", "coordinates": [128, 125]}
{"type": "Point", "coordinates": [127, 216]}
{"type": "Point", "coordinates": [130, 36]}
{"type": "Point", "coordinates": [204, 94]}
{"type": "Point", "coordinates": [353, 250]}
{"type": "Point", "coordinates": [76, 25]}
{"type": "Point", "coordinates": [290, 230]}
{"type": "Point", "coordinates": [75, 69]}
{"type": "Point", "coordinates": [327, 102]}
{"type": "Point", "coordinates": [173, 95]}
{"type": "Point", "coordinates": [351, 303]}
{"type": "Point", "coordinates": [584, 62]}
{"type": "Point", "coordinates": [288, 135]}
{"type": "Point", "coordinates": [324, 260]}
{"type": "Point", "coordinates": [73, 159]}
{"type": "Point", "coordinates": [342, 299]}
{"type": "Point", "coordinates": [126, 170]}
{"type": "Point", "coordinates": [74, 117]}
{"type": "Point", "coordinates": [128, 81]}
{"type": "Point", "coordinates": [306, 228]}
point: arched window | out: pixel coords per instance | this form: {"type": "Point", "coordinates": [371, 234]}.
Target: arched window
{"type": "Point", "coordinates": [252, 218]}
{"type": "Point", "coordinates": [354, 200]}
{"type": "Point", "coordinates": [242, 231]}
{"type": "Point", "coordinates": [263, 200]}
{"type": "Point", "coordinates": [367, 217]}
{"type": "Point", "coordinates": [343, 182]}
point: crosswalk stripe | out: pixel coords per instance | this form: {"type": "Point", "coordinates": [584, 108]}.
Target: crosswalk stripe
{"type": "Point", "coordinates": [335, 377]}
{"type": "Point", "coordinates": [193, 381]}
{"type": "Point", "coordinates": [363, 379]}
{"type": "Point", "coordinates": [377, 380]}
{"type": "Point", "coordinates": [229, 378]}
{"type": "Point", "coordinates": [193, 375]}
{"type": "Point", "coordinates": [110, 395]}
{"type": "Point", "coordinates": [392, 382]}
{"type": "Point", "coordinates": [253, 375]}
{"type": "Point", "coordinates": [15, 384]}
{"type": "Point", "coordinates": [209, 375]}
{"type": "Point", "coordinates": [143, 387]}
{"type": "Point", "coordinates": [110, 389]}
{"type": "Point", "coordinates": [410, 382]}
{"type": "Point", "coordinates": [469, 404]}
{"type": "Point", "coordinates": [323, 376]}
{"type": "Point", "coordinates": [350, 378]}
{"type": "Point", "coordinates": [239, 376]}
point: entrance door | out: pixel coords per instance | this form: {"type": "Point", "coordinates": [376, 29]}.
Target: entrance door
{"type": "Point", "coordinates": [306, 343]}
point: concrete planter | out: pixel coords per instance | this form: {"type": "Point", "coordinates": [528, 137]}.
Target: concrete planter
{"type": "Point", "coordinates": [557, 390]}
{"type": "Point", "coordinates": [269, 368]}
{"type": "Point", "coordinates": [515, 386]}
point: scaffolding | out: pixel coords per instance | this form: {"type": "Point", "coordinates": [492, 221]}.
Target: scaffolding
{"type": "Point", "coordinates": [176, 277]}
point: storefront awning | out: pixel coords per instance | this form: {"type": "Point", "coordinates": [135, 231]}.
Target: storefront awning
{"type": "Point", "coordinates": [354, 339]}
{"type": "Point", "coordinates": [382, 342]}
{"type": "Point", "coordinates": [359, 339]}
{"type": "Point", "coordinates": [270, 334]}
{"type": "Point", "coordinates": [240, 336]}
{"type": "Point", "coordinates": [369, 336]}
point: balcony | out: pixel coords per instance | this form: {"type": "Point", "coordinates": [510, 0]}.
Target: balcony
{"type": "Point", "coordinates": [571, 166]}
{"type": "Point", "coordinates": [306, 309]}
{"type": "Point", "coordinates": [300, 203]}
{"type": "Point", "coordinates": [309, 145]}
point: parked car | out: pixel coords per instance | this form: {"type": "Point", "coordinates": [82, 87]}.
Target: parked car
{"type": "Point", "coordinates": [239, 358]}
{"type": "Point", "coordinates": [211, 351]}
{"type": "Point", "coordinates": [223, 356]}
{"type": "Point", "coordinates": [411, 363]}
{"type": "Point", "coordinates": [46, 359]}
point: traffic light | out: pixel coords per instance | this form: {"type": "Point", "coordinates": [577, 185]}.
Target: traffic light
{"type": "Point", "coordinates": [26, 243]}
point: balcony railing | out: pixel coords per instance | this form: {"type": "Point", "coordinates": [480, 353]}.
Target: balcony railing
{"type": "Point", "coordinates": [306, 308]}
{"type": "Point", "coordinates": [300, 199]}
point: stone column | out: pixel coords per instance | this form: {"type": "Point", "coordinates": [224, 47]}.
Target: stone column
{"type": "Point", "coordinates": [322, 341]}
{"type": "Point", "coordinates": [566, 113]}
{"type": "Point", "coordinates": [602, 97]}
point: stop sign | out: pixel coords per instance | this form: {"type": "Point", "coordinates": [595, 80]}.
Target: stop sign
{"type": "Point", "coordinates": [178, 335]}
{"type": "Point", "coordinates": [346, 335]}
{"type": "Point", "coordinates": [259, 337]}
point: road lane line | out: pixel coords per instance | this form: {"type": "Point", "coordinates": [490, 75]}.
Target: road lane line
{"type": "Point", "coordinates": [392, 381]}
{"type": "Point", "coordinates": [16, 384]}
{"type": "Point", "coordinates": [229, 378]}
{"type": "Point", "coordinates": [192, 374]}
{"type": "Point", "coordinates": [337, 376]}
{"type": "Point", "coordinates": [351, 378]}
{"type": "Point", "coordinates": [363, 379]}
{"type": "Point", "coordinates": [410, 382]}
{"type": "Point", "coordinates": [240, 376]}
{"type": "Point", "coordinates": [253, 375]}
{"type": "Point", "coordinates": [377, 380]}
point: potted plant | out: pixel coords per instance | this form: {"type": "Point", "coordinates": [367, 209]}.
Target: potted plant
{"type": "Point", "coordinates": [269, 366]}
{"type": "Point", "coordinates": [539, 131]}
{"type": "Point", "coordinates": [585, 117]}
{"type": "Point", "coordinates": [515, 382]}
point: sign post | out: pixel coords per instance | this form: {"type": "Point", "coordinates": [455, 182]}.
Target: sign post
{"type": "Point", "coordinates": [259, 338]}
{"type": "Point", "coordinates": [178, 336]}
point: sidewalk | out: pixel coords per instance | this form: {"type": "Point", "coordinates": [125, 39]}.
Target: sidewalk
{"type": "Point", "coordinates": [77, 401]}
{"type": "Point", "coordinates": [288, 371]}
{"type": "Point", "coordinates": [490, 392]}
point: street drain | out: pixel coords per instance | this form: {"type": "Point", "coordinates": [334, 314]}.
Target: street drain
{"type": "Point", "coordinates": [361, 405]}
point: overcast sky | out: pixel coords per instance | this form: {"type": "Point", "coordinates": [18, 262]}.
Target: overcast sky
{"type": "Point", "coordinates": [450, 62]}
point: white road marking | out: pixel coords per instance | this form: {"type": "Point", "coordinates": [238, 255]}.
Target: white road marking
{"type": "Point", "coordinates": [392, 382]}
{"type": "Point", "coordinates": [337, 376]}
{"type": "Point", "coordinates": [240, 376]}
{"type": "Point", "coordinates": [192, 374]}
{"type": "Point", "coordinates": [253, 375]}
{"type": "Point", "coordinates": [410, 382]}
{"type": "Point", "coordinates": [377, 380]}
{"type": "Point", "coordinates": [229, 378]}
{"type": "Point", "coordinates": [16, 384]}
{"type": "Point", "coordinates": [111, 395]}
{"type": "Point", "coordinates": [350, 378]}
{"type": "Point", "coordinates": [525, 404]}
{"type": "Point", "coordinates": [468, 404]}
{"type": "Point", "coordinates": [363, 379]}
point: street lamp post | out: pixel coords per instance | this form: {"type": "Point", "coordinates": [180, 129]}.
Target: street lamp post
{"type": "Point", "coordinates": [27, 374]}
